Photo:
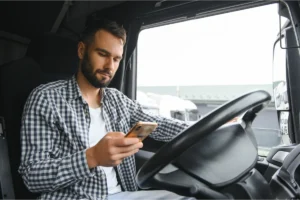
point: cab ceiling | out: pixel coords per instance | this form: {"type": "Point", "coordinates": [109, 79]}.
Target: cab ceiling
{"type": "Point", "coordinates": [31, 18]}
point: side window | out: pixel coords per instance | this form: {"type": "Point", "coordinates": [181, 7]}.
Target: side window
{"type": "Point", "coordinates": [187, 69]}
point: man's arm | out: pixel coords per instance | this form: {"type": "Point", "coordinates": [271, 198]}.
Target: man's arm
{"type": "Point", "coordinates": [41, 167]}
{"type": "Point", "coordinates": [167, 128]}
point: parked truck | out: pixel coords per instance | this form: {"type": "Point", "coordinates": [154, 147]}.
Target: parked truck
{"type": "Point", "coordinates": [169, 106]}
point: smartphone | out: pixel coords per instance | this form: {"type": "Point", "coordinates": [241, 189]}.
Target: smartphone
{"type": "Point", "coordinates": [141, 130]}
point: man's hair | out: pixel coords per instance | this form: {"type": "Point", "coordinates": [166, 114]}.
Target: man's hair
{"type": "Point", "coordinates": [94, 25]}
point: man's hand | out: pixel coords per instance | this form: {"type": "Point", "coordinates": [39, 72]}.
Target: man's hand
{"type": "Point", "coordinates": [112, 149]}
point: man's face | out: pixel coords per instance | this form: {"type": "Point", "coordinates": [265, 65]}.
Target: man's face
{"type": "Point", "coordinates": [101, 59]}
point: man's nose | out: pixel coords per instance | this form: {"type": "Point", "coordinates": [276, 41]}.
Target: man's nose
{"type": "Point", "coordinates": [110, 63]}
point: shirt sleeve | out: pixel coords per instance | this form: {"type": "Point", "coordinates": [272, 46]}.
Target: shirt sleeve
{"type": "Point", "coordinates": [40, 170]}
{"type": "Point", "coordinates": [167, 128]}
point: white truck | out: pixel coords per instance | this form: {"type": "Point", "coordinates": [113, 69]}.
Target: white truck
{"type": "Point", "coordinates": [169, 106]}
{"type": "Point", "coordinates": [147, 103]}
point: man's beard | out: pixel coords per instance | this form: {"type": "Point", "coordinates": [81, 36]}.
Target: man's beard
{"type": "Point", "coordinates": [87, 71]}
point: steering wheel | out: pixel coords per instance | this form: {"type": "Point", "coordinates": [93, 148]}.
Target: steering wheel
{"type": "Point", "coordinates": [200, 180]}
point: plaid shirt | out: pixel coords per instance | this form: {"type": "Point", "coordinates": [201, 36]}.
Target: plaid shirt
{"type": "Point", "coordinates": [54, 138]}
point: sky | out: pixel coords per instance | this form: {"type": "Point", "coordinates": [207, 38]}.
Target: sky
{"type": "Point", "coordinates": [229, 49]}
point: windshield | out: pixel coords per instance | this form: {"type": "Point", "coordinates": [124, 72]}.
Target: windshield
{"type": "Point", "coordinates": [212, 60]}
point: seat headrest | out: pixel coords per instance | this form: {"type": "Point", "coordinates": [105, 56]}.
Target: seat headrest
{"type": "Point", "coordinates": [54, 53]}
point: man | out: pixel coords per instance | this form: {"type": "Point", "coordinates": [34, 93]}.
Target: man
{"type": "Point", "coordinates": [72, 134]}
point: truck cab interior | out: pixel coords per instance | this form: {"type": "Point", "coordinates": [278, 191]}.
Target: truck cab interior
{"type": "Point", "coordinates": [212, 159]}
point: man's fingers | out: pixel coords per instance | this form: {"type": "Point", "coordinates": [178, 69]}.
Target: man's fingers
{"type": "Point", "coordinates": [121, 156]}
{"type": "Point", "coordinates": [121, 142]}
{"type": "Point", "coordinates": [115, 135]}
{"type": "Point", "coordinates": [118, 139]}
{"type": "Point", "coordinates": [129, 148]}
{"type": "Point", "coordinates": [125, 149]}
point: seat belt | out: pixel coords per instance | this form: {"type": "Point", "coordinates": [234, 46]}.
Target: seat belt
{"type": "Point", "coordinates": [61, 15]}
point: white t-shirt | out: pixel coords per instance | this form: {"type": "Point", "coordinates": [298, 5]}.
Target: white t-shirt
{"type": "Point", "coordinates": [96, 133]}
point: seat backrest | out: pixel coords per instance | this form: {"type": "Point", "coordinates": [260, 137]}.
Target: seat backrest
{"type": "Point", "coordinates": [56, 55]}
{"type": "Point", "coordinates": [18, 78]}
{"type": "Point", "coordinates": [49, 58]}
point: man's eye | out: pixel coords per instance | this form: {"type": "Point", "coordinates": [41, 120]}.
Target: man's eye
{"type": "Point", "coordinates": [102, 54]}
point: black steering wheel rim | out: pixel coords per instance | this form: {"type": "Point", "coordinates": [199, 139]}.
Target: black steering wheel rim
{"type": "Point", "coordinates": [213, 120]}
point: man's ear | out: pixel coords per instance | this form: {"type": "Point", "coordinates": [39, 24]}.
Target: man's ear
{"type": "Point", "coordinates": [80, 50]}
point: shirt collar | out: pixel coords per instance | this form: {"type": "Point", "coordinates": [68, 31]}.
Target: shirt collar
{"type": "Point", "coordinates": [74, 90]}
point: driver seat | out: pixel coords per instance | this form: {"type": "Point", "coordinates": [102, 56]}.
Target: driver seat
{"type": "Point", "coordinates": [49, 57]}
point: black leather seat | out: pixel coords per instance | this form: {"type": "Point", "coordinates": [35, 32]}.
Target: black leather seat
{"type": "Point", "coordinates": [49, 57]}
